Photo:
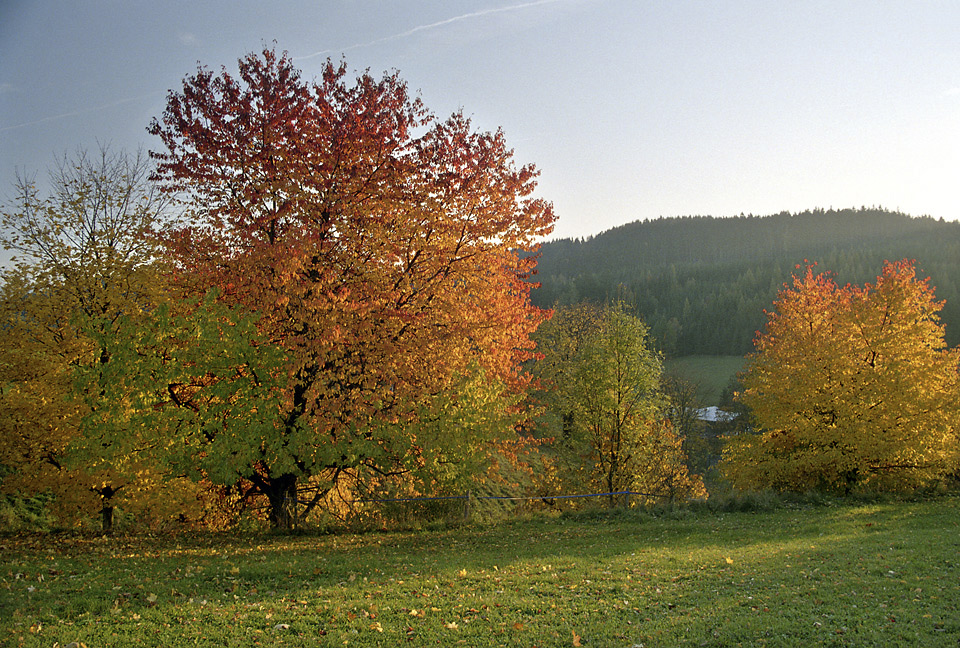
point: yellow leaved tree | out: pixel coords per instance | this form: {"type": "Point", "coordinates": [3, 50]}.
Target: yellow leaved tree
{"type": "Point", "coordinates": [850, 387]}
{"type": "Point", "coordinates": [83, 263]}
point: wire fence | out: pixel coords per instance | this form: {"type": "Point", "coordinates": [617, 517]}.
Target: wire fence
{"type": "Point", "coordinates": [537, 498]}
{"type": "Point", "coordinates": [470, 497]}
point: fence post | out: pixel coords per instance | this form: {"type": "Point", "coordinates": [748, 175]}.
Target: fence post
{"type": "Point", "coordinates": [466, 515]}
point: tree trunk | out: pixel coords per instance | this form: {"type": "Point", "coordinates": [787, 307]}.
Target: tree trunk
{"type": "Point", "coordinates": [282, 493]}
{"type": "Point", "coordinates": [106, 518]}
{"type": "Point", "coordinates": [611, 498]}
{"type": "Point", "coordinates": [106, 508]}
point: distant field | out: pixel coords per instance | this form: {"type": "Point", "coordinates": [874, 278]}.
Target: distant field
{"type": "Point", "coordinates": [711, 373]}
{"type": "Point", "coordinates": [831, 574]}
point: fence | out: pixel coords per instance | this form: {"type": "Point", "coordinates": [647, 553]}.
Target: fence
{"type": "Point", "coordinates": [469, 497]}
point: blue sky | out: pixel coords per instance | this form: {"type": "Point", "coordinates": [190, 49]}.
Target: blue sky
{"type": "Point", "coordinates": [631, 109]}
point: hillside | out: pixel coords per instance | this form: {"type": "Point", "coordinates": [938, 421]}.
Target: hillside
{"type": "Point", "coordinates": [702, 283]}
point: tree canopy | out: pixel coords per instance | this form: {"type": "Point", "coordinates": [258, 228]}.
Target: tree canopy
{"type": "Point", "coordinates": [381, 249]}
{"type": "Point", "coordinates": [85, 263]}
{"type": "Point", "coordinates": [850, 387]}
{"type": "Point", "coordinates": [318, 289]}
{"type": "Point", "coordinates": [605, 408]}
{"type": "Point", "coordinates": [701, 283]}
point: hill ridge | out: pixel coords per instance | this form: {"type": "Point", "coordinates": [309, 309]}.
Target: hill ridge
{"type": "Point", "coordinates": [702, 282]}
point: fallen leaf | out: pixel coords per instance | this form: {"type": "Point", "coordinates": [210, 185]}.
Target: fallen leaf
{"type": "Point", "coordinates": [376, 626]}
{"type": "Point", "coordinates": [576, 639]}
{"type": "Point", "coordinates": [451, 626]}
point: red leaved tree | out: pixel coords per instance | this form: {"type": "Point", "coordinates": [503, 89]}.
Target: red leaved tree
{"type": "Point", "coordinates": [385, 251]}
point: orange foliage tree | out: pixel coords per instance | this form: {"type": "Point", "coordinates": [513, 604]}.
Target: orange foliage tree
{"type": "Point", "coordinates": [850, 387]}
{"type": "Point", "coordinates": [384, 251]}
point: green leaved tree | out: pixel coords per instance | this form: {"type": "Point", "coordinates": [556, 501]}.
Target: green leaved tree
{"type": "Point", "coordinates": [603, 384]}
{"type": "Point", "coordinates": [84, 262]}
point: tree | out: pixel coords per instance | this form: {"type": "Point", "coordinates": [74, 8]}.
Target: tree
{"type": "Point", "coordinates": [37, 419]}
{"type": "Point", "coordinates": [564, 454]}
{"type": "Point", "coordinates": [84, 262]}
{"type": "Point", "coordinates": [684, 404]}
{"type": "Point", "coordinates": [180, 375]}
{"type": "Point", "coordinates": [606, 384]}
{"type": "Point", "coordinates": [385, 252]}
{"type": "Point", "coordinates": [851, 387]}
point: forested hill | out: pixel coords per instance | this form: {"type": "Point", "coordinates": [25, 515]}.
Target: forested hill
{"type": "Point", "coordinates": [702, 283]}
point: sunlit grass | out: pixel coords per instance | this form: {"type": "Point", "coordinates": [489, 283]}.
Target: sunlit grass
{"type": "Point", "coordinates": [858, 575]}
{"type": "Point", "coordinates": [710, 374]}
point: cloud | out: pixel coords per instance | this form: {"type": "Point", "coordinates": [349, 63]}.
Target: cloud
{"type": "Point", "coordinates": [434, 25]}
{"type": "Point", "coordinates": [188, 38]}
{"type": "Point", "coordinates": [6, 88]}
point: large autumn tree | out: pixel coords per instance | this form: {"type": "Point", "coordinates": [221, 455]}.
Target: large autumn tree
{"type": "Point", "coordinates": [850, 387]}
{"type": "Point", "coordinates": [383, 250]}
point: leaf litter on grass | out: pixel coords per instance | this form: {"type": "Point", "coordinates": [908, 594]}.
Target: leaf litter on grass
{"type": "Point", "coordinates": [791, 578]}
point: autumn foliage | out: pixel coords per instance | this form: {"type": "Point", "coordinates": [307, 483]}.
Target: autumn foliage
{"type": "Point", "coordinates": [382, 250]}
{"type": "Point", "coordinates": [337, 303]}
{"type": "Point", "coordinates": [318, 292]}
{"type": "Point", "coordinates": [605, 410]}
{"type": "Point", "coordinates": [850, 387]}
{"type": "Point", "coordinates": [84, 264]}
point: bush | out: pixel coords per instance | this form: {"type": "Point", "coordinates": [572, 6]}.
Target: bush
{"type": "Point", "coordinates": [25, 513]}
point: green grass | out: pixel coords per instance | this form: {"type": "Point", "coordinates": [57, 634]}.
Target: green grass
{"type": "Point", "coordinates": [874, 574]}
{"type": "Point", "coordinates": [710, 373]}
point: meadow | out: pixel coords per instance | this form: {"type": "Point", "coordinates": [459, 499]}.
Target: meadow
{"type": "Point", "coordinates": [829, 573]}
{"type": "Point", "coordinates": [709, 374]}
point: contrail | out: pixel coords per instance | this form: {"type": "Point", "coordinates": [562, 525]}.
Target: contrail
{"type": "Point", "coordinates": [409, 32]}
{"type": "Point", "coordinates": [448, 21]}
{"type": "Point", "coordinates": [79, 112]}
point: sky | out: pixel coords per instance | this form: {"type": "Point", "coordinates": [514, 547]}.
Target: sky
{"type": "Point", "coordinates": [630, 109]}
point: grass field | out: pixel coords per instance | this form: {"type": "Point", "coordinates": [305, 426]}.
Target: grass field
{"type": "Point", "coordinates": [711, 374]}
{"type": "Point", "coordinates": [875, 574]}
